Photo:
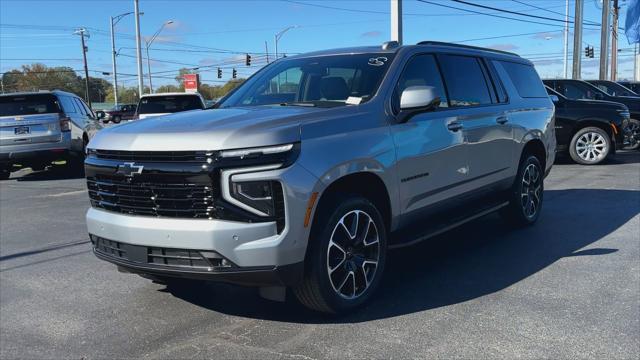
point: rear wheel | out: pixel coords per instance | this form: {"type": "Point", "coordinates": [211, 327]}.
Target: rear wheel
{"type": "Point", "coordinates": [527, 193]}
{"type": "Point", "coordinates": [590, 146]}
{"type": "Point", "coordinates": [346, 259]}
{"type": "Point", "coordinates": [116, 119]}
{"type": "Point", "coordinates": [633, 135]}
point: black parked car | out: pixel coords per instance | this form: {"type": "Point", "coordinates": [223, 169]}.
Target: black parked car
{"type": "Point", "coordinates": [589, 130]}
{"type": "Point", "coordinates": [613, 88]}
{"type": "Point", "coordinates": [578, 89]}
{"type": "Point", "coordinates": [633, 85]}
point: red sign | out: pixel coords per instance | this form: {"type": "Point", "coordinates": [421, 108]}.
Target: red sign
{"type": "Point", "coordinates": [191, 82]}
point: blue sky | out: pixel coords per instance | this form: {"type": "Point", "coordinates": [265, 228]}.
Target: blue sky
{"type": "Point", "coordinates": [207, 33]}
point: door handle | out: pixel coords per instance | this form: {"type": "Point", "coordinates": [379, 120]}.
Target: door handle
{"type": "Point", "coordinates": [454, 126]}
{"type": "Point", "coordinates": [502, 120]}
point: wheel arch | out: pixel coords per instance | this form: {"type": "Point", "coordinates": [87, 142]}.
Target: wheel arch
{"type": "Point", "coordinates": [590, 122]}
{"type": "Point", "coordinates": [536, 147]}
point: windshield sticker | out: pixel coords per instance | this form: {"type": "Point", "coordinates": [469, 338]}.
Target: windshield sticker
{"type": "Point", "coordinates": [353, 100]}
{"type": "Point", "coordinates": [379, 61]}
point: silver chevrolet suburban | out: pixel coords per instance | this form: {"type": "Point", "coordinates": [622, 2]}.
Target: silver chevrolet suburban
{"type": "Point", "coordinates": [37, 128]}
{"type": "Point", "coordinates": [304, 176]}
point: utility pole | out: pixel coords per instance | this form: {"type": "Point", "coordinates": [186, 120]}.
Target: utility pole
{"type": "Point", "coordinates": [614, 42]}
{"type": "Point", "coordinates": [138, 47]}
{"type": "Point", "coordinates": [566, 39]}
{"type": "Point", "coordinates": [396, 21]}
{"type": "Point", "coordinates": [266, 49]}
{"type": "Point", "coordinates": [113, 60]}
{"type": "Point", "coordinates": [604, 40]}
{"type": "Point", "coordinates": [82, 32]}
{"type": "Point", "coordinates": [279, 35]}
{"type": "Point", "coordinates": [577, 40]}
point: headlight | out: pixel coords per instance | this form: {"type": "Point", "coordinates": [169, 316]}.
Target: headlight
{"type": "Point", "coordinates": [260, 197]}
{"type": "Point", "coordinates": [284, 154]}
{"type": "Point", "coordinates": [242, 153]}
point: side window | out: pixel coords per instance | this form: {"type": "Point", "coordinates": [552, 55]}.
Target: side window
{"type": "Point", "coordinates": [86, 108]}
{"type": "Point", "coordinates": [79, 107]}
{"type": "Point", "coordinates": [67, 105]}
{"type": "Point", "coordinates": [498, 86]}
{"type": "Point", "coordinates": [572, 91]}
{"type": "Point", "coordinates": [465, 80]}
{"type": "Point", "coordinates": [525, 79]}
{"type": "Point", "coordinates": [421, 70]}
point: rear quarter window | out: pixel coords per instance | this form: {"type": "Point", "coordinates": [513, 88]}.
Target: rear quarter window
{"type": "Point", "coordinates": [67, 104]}
{"type": "Point", "coordinates": [525, 78]}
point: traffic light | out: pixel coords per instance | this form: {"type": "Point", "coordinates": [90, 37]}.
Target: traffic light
{"type": "Point", "coordinates": [219, 73]}
{"type": "Point", "coordinates": [589, 52]}
{"type": "Point", "coordinates": [234, 74]}
{"type": "Point", "coordinates": [247, 60]}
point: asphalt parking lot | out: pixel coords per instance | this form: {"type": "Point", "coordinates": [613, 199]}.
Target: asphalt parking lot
{"type": "Point", "coordinates": [568, 287]}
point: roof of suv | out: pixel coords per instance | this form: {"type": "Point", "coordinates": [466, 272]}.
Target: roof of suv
{"type": "Point", "coordinates": [171, 94]}
{"type": "Point", "coordinates": [40, 93]}
{"type": "Point", "coordinates": [391, 47]}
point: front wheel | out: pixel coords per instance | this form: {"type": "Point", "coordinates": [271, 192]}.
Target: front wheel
{"type": "Point", "coordinates": [116, 119]}
{"type": "Point", "coordinates": [633, 135]}
{"type": "Point", "coordinates": [346, 259]}
{"type": "Point", "coordinates": [5, 173]}
{"type": "Point", "coordinates": [590, 146]}
{"type": "Point", "coordinates": [527, 193]}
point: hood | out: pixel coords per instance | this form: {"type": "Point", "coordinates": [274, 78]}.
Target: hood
{"type": "Point", "coordinates": [597, 104]}
{"type": "Point", "coordinates": [214, 129]}
{"type": "Point", "coordinates": [145, 116]}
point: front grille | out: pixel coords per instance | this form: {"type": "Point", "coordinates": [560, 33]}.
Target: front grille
{"type": "Point", "coordinates": [178, 199]}
{"type": "Point", "coordinates": [159, 257]}
{"type": "Point", "coordinates": [153, 156]}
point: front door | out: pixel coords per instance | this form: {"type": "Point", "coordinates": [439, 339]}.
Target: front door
{"type": "Point", "coordinates": [430, 147]}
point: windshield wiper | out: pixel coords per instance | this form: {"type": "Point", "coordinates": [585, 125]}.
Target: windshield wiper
{"type": "Point", "coordinates": [305, 104]}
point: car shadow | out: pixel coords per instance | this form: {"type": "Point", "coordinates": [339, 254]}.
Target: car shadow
{"type": "Point", "coordinates": [620, 158]}
{"type": "Point", "coordinates": [54, 172]}
{"type": "Point", "coordinates": [477, 259]}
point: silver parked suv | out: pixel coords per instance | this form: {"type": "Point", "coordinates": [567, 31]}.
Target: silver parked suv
{"type": "Point", "coordinates": [305, 175]}
{"type": "Point", "coordinates": [37, 128]}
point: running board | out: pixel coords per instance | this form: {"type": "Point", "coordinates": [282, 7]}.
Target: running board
{"type": "Point", "coordinates": [446, 227]}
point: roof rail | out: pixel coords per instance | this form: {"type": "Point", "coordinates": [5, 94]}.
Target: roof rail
{"type": "Point", "coordinates": [442, 43]}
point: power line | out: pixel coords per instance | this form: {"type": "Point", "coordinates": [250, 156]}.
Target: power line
{"type": "Point", "coordinates": [488, 14]}
{"type": "Point", "coordinates": [515, 12]}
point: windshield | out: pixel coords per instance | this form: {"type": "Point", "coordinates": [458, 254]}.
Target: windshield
{"type": "Point", "coordinates": [614, 89]}
{"type": "Point", "coordinates": [28, 104]}
{"type": "Point", "coordinates": [580, 90]}
{"type": "Point", "coordinates": [323, 81]}
{"type": "Point", "coordinates": [169, 104]}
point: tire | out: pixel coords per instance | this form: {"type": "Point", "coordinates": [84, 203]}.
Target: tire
{"type": "Point", "coordinates": [590, 146]}
{"type": "Point", "coordinates": [116, 119]}
{"type": "Point", "coordinates": [633, 135]}
{"type": "Point", "coordinates": [343, 270]}
{"type": "Point", "coordinates": [5, 174]}
{"type": "Point", "coordinates": [527, 194]}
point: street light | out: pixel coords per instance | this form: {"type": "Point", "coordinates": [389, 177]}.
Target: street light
{"type": "Point", "coordinates": [112, 24]}
{"type": "Point", "coordinates": [169, 22]}
{"type": "Point", "coordinates": [279, 35]}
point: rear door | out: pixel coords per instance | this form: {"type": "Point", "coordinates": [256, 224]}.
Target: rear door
{"type": "Point", "coordinates": [29, 119]}
{"type": "Point", "coordinates": [483, 116]}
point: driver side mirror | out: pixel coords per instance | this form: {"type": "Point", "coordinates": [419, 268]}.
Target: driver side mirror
{"type": "Point", "coordinates": [100, 115]}
{"type": "Point", "coordinates": [415, 100]}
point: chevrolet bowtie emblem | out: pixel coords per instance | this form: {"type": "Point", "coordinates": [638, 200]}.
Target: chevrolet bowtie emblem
{"type": "Point", "coordinates": [129, 169]}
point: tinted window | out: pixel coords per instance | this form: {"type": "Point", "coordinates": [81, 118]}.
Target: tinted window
{"type": "Point", "coordinates": [87, 110]}
{"type": "Point", "coordinates": [79, 106]}
{"type": "Point", "coordinates": [525, 79]}
{"type": "Point", "coordinates": [67, 104]}
{"type": "Point", "coordinates": [614, 89]}
{"type": "Point", "coordinates": [465, 80]}
{"type": "Point", "coordinates": [422, 70]}
{"type": "Point", "coordinates": [28, 104]}
{"type": "Point", "coordinates": [169, 104]}
{"type": "Point", "coordinates": [575, 91]}
{"type": "Point", "coordinates": [320, 80]}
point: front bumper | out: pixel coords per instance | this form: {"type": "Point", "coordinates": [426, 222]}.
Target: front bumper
{"type": "Point", "coordinates": [287, 275]}
{"type": "Point", "coordinates": [256, 248]}
{"type": "Point", "coordinates": [27, 154]}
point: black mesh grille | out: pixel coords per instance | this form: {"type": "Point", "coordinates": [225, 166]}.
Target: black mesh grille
{"type": "Point", "coordinates": [152, 156]}
{"type": "Point", "coordinates": [181, 200]}
{"type": "Point", "coordinates": [164, 257]}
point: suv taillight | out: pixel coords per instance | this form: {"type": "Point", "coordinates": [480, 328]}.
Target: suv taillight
{"type": "Point", "coordinates": [65, 123]}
